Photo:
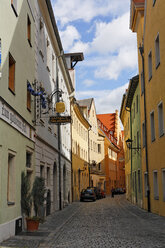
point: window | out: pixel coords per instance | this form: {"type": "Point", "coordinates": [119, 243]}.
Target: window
{"type": "Point", "coordinates": [152, 122]}
{"type": "Point", "coordinates": [11, 180]}
{"type": "Point", "coordinates": [99, 148]}
{"type": "Point", "coordinates": [142, 83]}
{"type": "Point", "coordinates": [99, 166]}
{"type": "Point", "coordinates": [137, 138]}
{"type": "Point", "coordinates": [28, 159]}
{"type": "Point", "coordinates": [11, 73]}
{"type": "Point", "coordinates": [139, 182]}
{"type": "Point", "coordinates": [14, 6]}
{"type": "Point", "coordinates": [156, 190]}
{"type": "Point", "coordinates": [163, 183]}
{"type": "Point", "coordinates": [48, 176]}
{"type": "Point", "coordinates": [157, 52]}
{"type": "Point", "coordinates": [29, 30]}
{"type": "Point", "coordinates": [143, 133]}
{"type": "Point", "coordinates": [137, 104]}
{"type": "Point", "coordinates": [145, 183]}
{"type": "Point", "coordinates": [160, 119]}
{"type": "Point", "coordinates": [149, 65]}
{"type": "Point", "coordinates": [42, 174]}
{"type": "Point", "coordinates": [154, 1]}
{"type": "Point", "coordinates": [28, 100]}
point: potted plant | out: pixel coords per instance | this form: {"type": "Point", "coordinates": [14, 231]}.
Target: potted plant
{"type": "Point", "coordinates": [36, 196]}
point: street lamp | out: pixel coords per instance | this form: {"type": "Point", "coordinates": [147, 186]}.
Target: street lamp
{"type": "Point", "coordinates": [129, 145]}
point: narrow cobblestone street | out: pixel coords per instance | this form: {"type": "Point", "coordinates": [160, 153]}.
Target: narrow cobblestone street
{"type": "Point", "coordinates": [110, 222]}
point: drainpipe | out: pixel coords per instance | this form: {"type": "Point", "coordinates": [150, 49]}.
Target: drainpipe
{"type": "Point", "coordinates": [141, 50]}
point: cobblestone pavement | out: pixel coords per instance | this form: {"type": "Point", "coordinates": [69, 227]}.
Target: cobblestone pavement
{"type": "Point", "coordinates": [110, 222]}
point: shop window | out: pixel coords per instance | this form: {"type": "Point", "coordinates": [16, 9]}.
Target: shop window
{"type": "Point", "coordinates": [157, 51]}
{"type": "Point", "coordinates": [29, 30]}
{"type": "Point", "coordinates": [11, 179]}
{"type": "Point", "coordinates": [156, 190]}
{"type": "Point", "coordinates": [160, 119]}
{"type": "Point", "coordinates": [14, 6]}
{"type": "Point", "coordinates": [149, 65]}
{"type": "Point", "coordinates": [11, 73]}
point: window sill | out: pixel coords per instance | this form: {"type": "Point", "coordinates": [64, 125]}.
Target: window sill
{"type": "Point", "coordinates": [9, 203]}
{"type": "Point", "coordinates": [11, 91]}
{"type": "Point", "coordinates": [161, 135]}
{"type": "Point", "coordinates": [15, 12]}
{"type": "Point", "coordinates": [149, 78]}
{"type": "Point", "coordinates": [29, 43]}
{"type": "Point", "coordinates": [157, 65]}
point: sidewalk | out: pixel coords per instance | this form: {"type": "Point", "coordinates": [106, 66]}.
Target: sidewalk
{"type": "Point", "coordinates": [49, 229]}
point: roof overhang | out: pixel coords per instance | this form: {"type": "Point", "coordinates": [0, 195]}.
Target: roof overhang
{"type": "Point", "coordinates": [137, 6]}
{"type": "Point", "coordinates": [131, 90]}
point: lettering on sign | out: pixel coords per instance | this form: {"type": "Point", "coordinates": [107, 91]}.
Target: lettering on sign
{"type": "Point", "coordinates": [60, 119]}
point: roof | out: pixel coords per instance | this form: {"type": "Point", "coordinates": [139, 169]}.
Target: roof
{"type": "Point", "coordinates": [85, 102]}
{"type": "Point", "coordinates": [108, 120]}
{"type": "Point", "coordinates": [131, 90]}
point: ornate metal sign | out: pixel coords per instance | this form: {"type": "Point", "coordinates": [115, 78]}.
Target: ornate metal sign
{"type": "Point", "coordinates": [59, 119]}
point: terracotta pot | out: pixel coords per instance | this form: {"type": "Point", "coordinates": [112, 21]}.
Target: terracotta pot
{"type": "Point", "coordinates": [32, 225]}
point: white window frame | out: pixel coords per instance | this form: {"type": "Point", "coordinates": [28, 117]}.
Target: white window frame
{"type": "Point", "coordinates": [160, 122]}
{"type": "Point", "coordinates": [152, 126]}
{"type": "Point", "coordinates": [157, 51]}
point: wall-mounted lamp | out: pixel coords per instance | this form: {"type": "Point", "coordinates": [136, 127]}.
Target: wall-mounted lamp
{"type": "Point", "coordinates": [129, 145]}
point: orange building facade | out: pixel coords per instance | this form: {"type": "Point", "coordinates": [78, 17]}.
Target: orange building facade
{"type": "Point", "coordinates": [109, 126]}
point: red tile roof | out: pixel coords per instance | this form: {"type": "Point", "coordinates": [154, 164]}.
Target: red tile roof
{"type": "Point", "coordinates": [108, 120]}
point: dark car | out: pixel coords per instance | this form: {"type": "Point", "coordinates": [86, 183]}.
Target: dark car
{"type": "Point", "coordinates": [88, 194]}
{"type": "Point", "coordinates": [97, 192]}
{"type": "Point", "coordinates": [119, 191]}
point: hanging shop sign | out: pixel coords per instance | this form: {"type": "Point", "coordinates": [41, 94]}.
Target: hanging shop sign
{"type": "Point", "coordinates": [60, 119]}
{"type": "Point", "coordinates": [60, 107]}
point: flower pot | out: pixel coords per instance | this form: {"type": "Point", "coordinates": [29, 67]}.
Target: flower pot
{"type": "Point", "coordinates": [32, 224]}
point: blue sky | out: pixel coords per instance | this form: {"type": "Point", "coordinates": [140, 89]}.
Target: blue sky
{"type": "Point", "coordinates": [99, 29]}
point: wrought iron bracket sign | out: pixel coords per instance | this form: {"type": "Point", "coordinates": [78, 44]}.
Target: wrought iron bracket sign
{"type": "Point", "coordinates": [59, 119]}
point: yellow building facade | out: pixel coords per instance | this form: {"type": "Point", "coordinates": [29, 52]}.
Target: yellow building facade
{"type": "Point", "coordinates": [147, 20]}
{"type": "Point", "coordinates": [80, 155]}
{"type": "Point", "coordinates": [125, 119]}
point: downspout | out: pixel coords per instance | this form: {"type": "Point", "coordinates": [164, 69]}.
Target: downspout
{"type": "Point", "coordinates": [131, 147]}
{"type": "Point", "coordinates": [141, 49]}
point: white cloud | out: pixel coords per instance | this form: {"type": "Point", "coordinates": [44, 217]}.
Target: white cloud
{"type": "Point", "coordinates": [68, 11]}
{"type": "Point", "coordinates": [88, 83]}
{"type": "Point", "coordinates": [69, 36]}
{"type": "Point", "coordinates": [106, 101]}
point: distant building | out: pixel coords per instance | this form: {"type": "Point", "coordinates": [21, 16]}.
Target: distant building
{"type": "Point", "coordinates": [109, 126]}
{"type": "Point", "coordinates": [96, 142]}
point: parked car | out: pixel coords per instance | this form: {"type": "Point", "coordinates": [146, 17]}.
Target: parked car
{"type": "Point", "coordinates": [119, 191]}
{"type": "Point", "coordinates": [97, 192]}
{"type": "Point", "coordinates": [88, 194]}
